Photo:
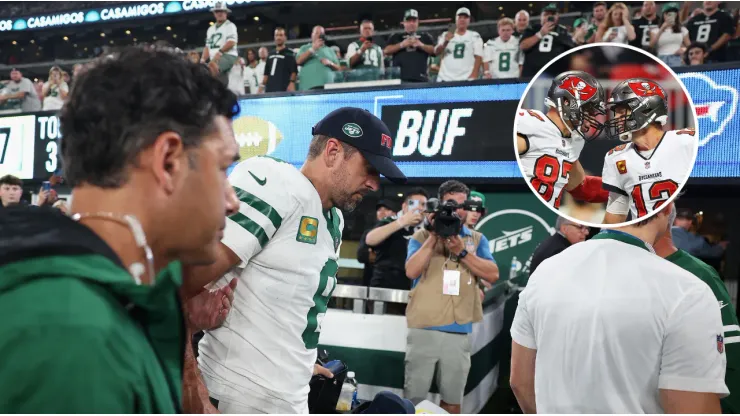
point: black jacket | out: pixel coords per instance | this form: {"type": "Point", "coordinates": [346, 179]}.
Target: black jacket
{"type": "Point", "coordinates": [548, 247]}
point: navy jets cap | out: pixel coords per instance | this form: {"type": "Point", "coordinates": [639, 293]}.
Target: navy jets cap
{"type": "Point", "coordinates": [359, 128]}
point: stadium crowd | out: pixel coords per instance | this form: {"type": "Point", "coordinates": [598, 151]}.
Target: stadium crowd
{"type": "Point", "coordinates": [678, 33]}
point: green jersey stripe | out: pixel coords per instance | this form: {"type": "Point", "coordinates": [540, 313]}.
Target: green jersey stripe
{"type": "Point", "coordinates": [260, 205]}
{"type": "Point", "coordinates": [252, 227]}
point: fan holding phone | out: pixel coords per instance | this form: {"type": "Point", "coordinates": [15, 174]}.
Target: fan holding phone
{"type": "Point", "coordinates": [389, 240]}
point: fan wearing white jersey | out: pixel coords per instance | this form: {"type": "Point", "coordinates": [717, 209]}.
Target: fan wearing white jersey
{"type": "Point", "coordinates": [283, 246]}
{"type": "Point", "coordinates": [221, 39]}
{"type": "Point", "coordinates": [607, 326]}
{"type": "Point", "coordinates": [502, 57]}
{"type": "Point", "coordinates": [461, 50]}
{"type": "Point", "coordinates": [550, 144]}
{"type": "Point", "coordinates": [643, 174]}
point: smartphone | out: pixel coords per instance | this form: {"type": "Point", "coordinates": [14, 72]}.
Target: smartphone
{"type": "Point", "coordinates": [46, 186]}
{"type": "Point", "coordinates": [550, 19]}
{"type": "Point", "coordinates": [369, 39]}
{"type": "Point", "coordinates": [452, 28]}
{"type": "Point", "coordinates": [413, 204]}
{"type": "Point", "coordinates": [323, 37]}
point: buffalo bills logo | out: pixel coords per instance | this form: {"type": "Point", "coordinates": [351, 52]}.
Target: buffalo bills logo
{"type": "Point", "coordinates": [715, 104]}
{"type": "Point", "coordinates": [646, 89]}
{"type": "Point", "coordinates": [577, 87]}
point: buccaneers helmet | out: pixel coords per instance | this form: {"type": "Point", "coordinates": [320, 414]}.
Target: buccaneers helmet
{"type": "Point", "coordinates": [646, 103]}
{"type": "Point", "coordinates": [578, 97]}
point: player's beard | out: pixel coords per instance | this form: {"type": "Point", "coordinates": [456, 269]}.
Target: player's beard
{"type": "Point", "coordinates": [344, 197]}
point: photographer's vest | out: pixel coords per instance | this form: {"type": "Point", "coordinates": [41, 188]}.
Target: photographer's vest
{"type": "Point", "coordinates": [427, 306]}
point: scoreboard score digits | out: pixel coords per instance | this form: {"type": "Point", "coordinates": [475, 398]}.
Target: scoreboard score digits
{"type": "Point", "coordinates": [29, 145]}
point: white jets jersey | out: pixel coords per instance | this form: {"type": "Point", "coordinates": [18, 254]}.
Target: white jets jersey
{"type": "Point", "coordinates": [217, 36]}
{"type": "Point", "coordinates": [503, 58]}
{"type": "Point", "coordinates": [649, 181]}
{"type": "Point", "coordinates": [550, 155]}
{"type": "Point", "coordinates": [265, 351]}
{"type": "Point", "coordinates": [459, 56]}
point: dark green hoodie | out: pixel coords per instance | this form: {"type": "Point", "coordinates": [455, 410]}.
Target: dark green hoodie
{"type": "Point", "coordinates": [77, 335]}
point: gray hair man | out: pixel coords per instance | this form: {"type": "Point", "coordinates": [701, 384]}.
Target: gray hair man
{"type": "Point", "coordinates": [567, 233]}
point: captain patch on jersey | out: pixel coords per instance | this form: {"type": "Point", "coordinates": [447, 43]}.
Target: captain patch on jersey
{"type": "Point", "coordinates": [648, 179]}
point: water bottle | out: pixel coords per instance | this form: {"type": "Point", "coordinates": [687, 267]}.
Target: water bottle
{"type": "Point", "coordinates": [351, 379]}
{"type": "Point", "coordinates": [348, 393]}
{"type": "Point", "coordinates": [513, 270]}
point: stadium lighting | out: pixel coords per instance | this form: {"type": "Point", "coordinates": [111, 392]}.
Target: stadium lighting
{"type": "Point", "coordinates": [102, 35]}
{"type": "Point", "coordinates": [501, 7]}
{"type": "Point", "coordinates": [168, 28]}
{"type": "Point", "coordinates": [15, 43]}
{"type": "Point", "coordinates": [33, 41]}
{"type": "Point", "coordinates": [400, 195]}
{"type": "Point", "coordinates": [256, 18]}
{"type": "Point", "coordinates": [65, 38]}
{"type": "Point", "coordinates": [210, 23]}
{"type": "Point", "coordinates": [128, 32]}
{"type": "Point", "coordinates": [174, 35]}
{"type": "Point", "coordinates": [135, 40]}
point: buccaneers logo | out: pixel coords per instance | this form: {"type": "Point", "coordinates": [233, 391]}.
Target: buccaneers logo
{"type": "Point", "coordinates": [577, 87]}
{"type": "Point", "coordinates": [646, 89]}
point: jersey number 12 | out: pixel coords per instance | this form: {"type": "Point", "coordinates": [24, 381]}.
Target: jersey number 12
{"type": "Point", "coordinates": [659, 191]}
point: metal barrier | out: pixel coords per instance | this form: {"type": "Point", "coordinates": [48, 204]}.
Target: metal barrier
{"type": "Point", "coordinates": [361, 294]}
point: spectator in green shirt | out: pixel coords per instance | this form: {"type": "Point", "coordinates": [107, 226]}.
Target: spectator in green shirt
{"type": "Point", "coordinates": [318, 62]}
{"type": "Point", "coordinates": [91, 319]}
{"type": "Point", "coordinates": [731, 337]}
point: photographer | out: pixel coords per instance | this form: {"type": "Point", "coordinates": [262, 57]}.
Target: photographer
{"type": "Point", "coordinates": [445, 261]}
{"type": "Point", "coordinates": [389, 239]}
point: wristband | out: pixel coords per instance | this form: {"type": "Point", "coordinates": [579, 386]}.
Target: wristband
{"type": "Point", "coordinates": [462, 254]}
{"type": "Point", "coordinates": [539, 35]}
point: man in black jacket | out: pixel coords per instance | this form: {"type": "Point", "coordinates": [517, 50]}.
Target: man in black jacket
{"type": "Point", "coordinates": [567, 234]}
{"type": "Point", "coordinates": [389, 240]}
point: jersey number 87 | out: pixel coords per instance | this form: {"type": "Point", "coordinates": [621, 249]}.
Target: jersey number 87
{"type": "Point", "coordinates": [547, 171]}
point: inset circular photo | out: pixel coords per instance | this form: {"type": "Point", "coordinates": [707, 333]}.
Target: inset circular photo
{"type": "Point", "coordinates": [605, 135]}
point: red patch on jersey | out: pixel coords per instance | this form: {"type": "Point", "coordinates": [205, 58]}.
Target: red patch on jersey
{"type": "Point", "coordinates": [578, 87]}
{"type": "Point", "coordinates": [646, 89]}
{"type": "Point", "coordinates": [622, 166]}
{"type": "Point", "coordinates": [535, 115]}
{"type": "Point", "coordinates": [386, 141]}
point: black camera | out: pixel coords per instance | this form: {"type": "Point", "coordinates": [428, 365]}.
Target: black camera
{"type": "Point", "coordinates": [446, 222]}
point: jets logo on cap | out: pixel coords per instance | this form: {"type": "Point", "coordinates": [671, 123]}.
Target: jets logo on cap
{"type": "Point", "coordinates": [352, 130]}
{"type": "Point", "coordinates": [577, 87]}
{"type": "Point", "coordinates": [646, 89]}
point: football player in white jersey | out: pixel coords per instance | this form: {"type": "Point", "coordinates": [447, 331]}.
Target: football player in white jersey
{"type": "Point", "coordinates": [461, 50]}
{"type": "Point", "coordinates": [283, 246]}
{"type": "Point", "coordinates": [549, 144]}
{"type": "Point", "coordinates": [221, 39]}
{"type": "Point", "coordinates": [642, 174]}
{"type": "Point", "coordinates": [502, 57]}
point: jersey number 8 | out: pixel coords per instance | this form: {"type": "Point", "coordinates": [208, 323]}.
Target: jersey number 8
{"type": "Point", "coordinates": [659, 191]}
{"type": "Point", "coordinates": [546, 172]}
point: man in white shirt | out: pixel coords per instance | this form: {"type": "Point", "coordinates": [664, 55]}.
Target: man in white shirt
{"type": "Point", "coordinates": [502, 57]}
{"type": "Point", "coordinates": [221, 39]}
{"type": "Point", "coordinates": [607, 326]}
{"type": "Point", "coordinates": [463, 50]}
{"type": "Point", "coordinates": [263, 53]}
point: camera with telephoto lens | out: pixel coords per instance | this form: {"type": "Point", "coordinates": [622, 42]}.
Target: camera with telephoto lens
{"type": "Point", "coordinates": [446, 222]}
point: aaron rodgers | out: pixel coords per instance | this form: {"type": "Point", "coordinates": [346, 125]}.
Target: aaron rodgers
{"type": "Point", "coordinates": [283, 246]}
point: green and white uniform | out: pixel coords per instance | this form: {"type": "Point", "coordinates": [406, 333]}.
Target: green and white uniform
{"type": "Point", "coordinates": [503, 58]}
{"type": "Point", "coordinates": [459, 56]}
{"type": "Point", "coordinates": [216, 37]}
{"type": "Point", "coordinates": [371, 63]}
{"type": "Point", "coordinates": [705, 272]}
{"type": "Point", "coordinates": [262, 358]}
